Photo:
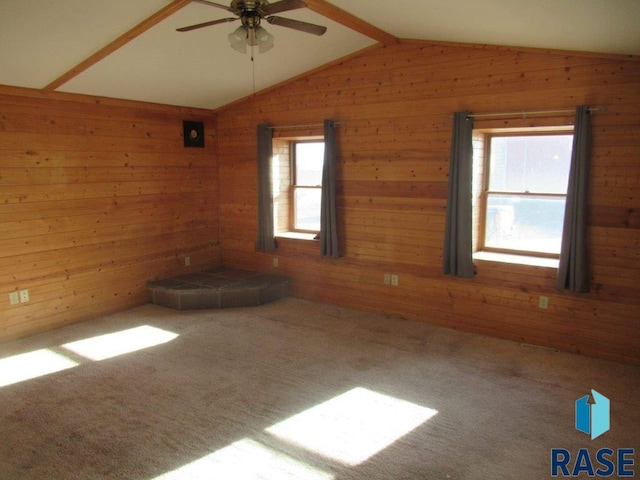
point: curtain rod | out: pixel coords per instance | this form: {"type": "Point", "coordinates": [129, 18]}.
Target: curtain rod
{"type": "Point", "coordinates": [524, 114]}
{"type": "Point", "coordinates": [301, 125]}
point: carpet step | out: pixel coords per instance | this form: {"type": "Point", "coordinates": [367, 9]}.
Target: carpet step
{"type": "Point", "coordinates": [218, 288]}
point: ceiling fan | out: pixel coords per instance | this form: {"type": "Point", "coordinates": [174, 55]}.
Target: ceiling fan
{"type": "Point", "coordinates": [251, 13]}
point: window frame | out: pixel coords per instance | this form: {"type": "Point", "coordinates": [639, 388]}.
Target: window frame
{"type": "Point", "coordinates": [484, 194]}
{"type": "Point", "coordinates": [295, 186]}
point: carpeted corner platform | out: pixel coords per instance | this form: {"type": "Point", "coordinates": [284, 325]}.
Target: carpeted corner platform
{"type": "Point", "coordinates": [218, 288]}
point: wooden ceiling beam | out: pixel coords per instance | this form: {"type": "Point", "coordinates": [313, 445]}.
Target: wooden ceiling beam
{"type": "Point", "coordinates": [350, 21]}
{"type": "Point", "coordinates": [119, 42]}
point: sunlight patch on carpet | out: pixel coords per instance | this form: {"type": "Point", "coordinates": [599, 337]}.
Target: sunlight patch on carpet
{"type": "Point", "coordinates": [246, 460]}
{"type": "Point", "coordinates": [112, 345]}
{"type": "Point", "coordinates": [354, 426]}
{"type": "Point", "coordinates": [27, 366]}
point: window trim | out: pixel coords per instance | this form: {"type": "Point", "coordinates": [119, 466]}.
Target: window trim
{"type": "Point", "coordinates": [292, 193]}
{"type": "Point", "coordinates": [484, 193]}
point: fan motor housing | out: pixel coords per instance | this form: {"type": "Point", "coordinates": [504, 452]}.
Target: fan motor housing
{"type": "Point", "coordinates": [249, 7]}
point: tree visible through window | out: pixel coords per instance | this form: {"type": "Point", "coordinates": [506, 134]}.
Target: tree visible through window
{"type": "Point", "coordinates": [525, 192]}
{"type": "Point", "coordinates": [307, 161]}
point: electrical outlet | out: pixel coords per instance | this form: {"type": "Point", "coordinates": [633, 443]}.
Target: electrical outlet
{"type": "Point", "coordinates": [394, 280]}
{"type": "Point", "coordinates": [187, 261]}
{"type": "Point", "coordinates": [275, 262]}
{"type": "Point", "coordinates": [14, 298]}
{"type": "Point", "coordinates": [543, 302]}
{"type": "Point", "coordinates": [387, 279]}
{"type": "Point", "coordinates": [24, 296]}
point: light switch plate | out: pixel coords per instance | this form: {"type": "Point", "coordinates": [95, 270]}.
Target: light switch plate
{"type": "Point", "coordinates": [14, 298]}
{"type": "Point", "coordinates": [543, 302]}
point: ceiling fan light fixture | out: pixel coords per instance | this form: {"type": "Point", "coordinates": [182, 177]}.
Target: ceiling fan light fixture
{"type": "Point", "coordinates": [265, 40]}
{"type": "Point", "coordinates": [251, 13]}
{"type": "Point", "coordinates": [238, 39]}
{"type": "Point", "coordinates": [252, 38]}
{"type": "Point", "coordinates": [242, 37]}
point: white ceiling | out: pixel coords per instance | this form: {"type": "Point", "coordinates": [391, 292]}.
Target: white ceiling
{"type": "Point", "coordinates": [42, 39]}
{"type": "Point", "coordinates": [607, 26]}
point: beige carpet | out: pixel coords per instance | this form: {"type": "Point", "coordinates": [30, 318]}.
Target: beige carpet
{"type": "Point", "coordinates": [296, 390]}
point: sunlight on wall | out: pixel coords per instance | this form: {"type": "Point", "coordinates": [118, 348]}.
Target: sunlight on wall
{"type": "Point", "coordinates": [26, 366]}
{"type": "Point", "coordinates": [354, 426]}
{"type": "Point", "coordinates": [275, 172]}
{"type": "Point", "coordinates": [246, 460]}
{"type": "Point", "coordinates": [118, 343]}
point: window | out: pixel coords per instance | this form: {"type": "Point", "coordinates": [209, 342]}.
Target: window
{"type": "Point", "coordinates": [297, 178]}
{"type": "Point", "coordinates": [521, 205]}
{"type": "Point", "coordinates": [307, 158]}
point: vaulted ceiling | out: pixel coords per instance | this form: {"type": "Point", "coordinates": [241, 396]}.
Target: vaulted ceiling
{"type": "Point", "coordinates": [131, 50]}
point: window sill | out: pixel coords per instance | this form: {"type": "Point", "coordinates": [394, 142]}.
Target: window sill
{"type": "Point", "coordinates": [297, 236]}
{"type": "Point", "coordinates": [517, 259]}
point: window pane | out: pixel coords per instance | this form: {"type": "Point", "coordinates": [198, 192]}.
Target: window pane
{"type": "Point", "coordinates": [307, 208]}
{"type": "Point", "coordinates": [530, 163]}
{"type": "Point", "coordinates": [309, 160]}
{"type": "Point", "coordinates": [524, 222]}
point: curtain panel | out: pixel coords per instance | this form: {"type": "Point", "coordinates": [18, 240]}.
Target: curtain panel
{"type": "Point", "coordinates": [266, 234]}
{"type": "Point", "coordinates": [573, 271]}
{"type": "Point", "coordinates": [328, 220]}
{"type": "Point", "coordinates": [458, 259]}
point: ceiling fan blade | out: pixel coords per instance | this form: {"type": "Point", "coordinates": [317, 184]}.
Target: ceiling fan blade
{"type": "Point", "coordinates": [283, 6]}
{"type": "Point", "coordinates": [297, 25]}
{"type": "Point", "coordinates": [205, 24]}
{"type": "Point", "coordinates": [213, 4]}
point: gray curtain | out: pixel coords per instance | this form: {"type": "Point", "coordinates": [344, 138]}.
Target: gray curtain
{"type": "Point", "coordinates": [266, 235]}
{"type": "Point", "coordinates": [458, 260]}
{"type": "Point", "coordinates": [572, 269]}
{"type": "Point", "coordinates": [328, 221]}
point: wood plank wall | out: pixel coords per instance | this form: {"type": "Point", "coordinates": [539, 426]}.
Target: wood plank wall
{"type": "Point", "coordinates": [394, 144]}
{"type": "Point", "coordinates": [97, 197]}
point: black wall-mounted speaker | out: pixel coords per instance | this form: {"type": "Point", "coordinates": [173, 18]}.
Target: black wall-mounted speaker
{"type": "Point", "coordinates": [193, 133]}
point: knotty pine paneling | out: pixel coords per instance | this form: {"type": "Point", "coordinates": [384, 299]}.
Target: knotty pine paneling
{"type": "Point", "coordinates": [394, 143]}
{"type": "Point", "coordinates": [97, 197]}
